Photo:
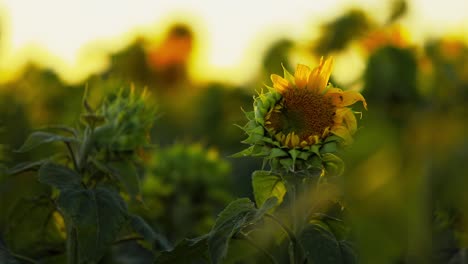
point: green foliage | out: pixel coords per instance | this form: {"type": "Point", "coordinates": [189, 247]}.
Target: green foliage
{"type": "Point", "coordinates": [59, 176]}
{"type": "Point", "coordinates": [337, 34]}
{"type": "Point", "coordinates": [87, 179]}
{"type": "Point", "coordinates": [266, 185]}
{"type": "Point", "coordinates": [188, 249]}
{"type": "Point", "coordinates": [321, 246]}
{"type": "Point", "coordinates": [96, 216]}
{"type": "Point", "coordinates": [5, 255]}
{"type": "Point", "coordinates": [187, 185]}
{"type": "Point", "coordinates": [38, 138]}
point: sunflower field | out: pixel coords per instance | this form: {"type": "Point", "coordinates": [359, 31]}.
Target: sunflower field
{"type": "Point", "coordinates": [346, 146]}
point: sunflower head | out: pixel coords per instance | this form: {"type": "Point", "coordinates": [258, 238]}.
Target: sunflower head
{"type": "Point", "coordinates": [302, 120]}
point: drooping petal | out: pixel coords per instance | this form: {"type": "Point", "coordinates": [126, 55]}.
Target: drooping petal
{"type": "Point", "coordinates": [343, 133]}
{"type": "Point", "coordinates": [346, 98]}
{"type": "Point", "coordinates": [279, 83]}
{"type": "Point", "coordinates": [346, 116]}
{"type": "Point", "coordinates": [301, 75]}
{"type": "Point", "coordinates": [318, 78]}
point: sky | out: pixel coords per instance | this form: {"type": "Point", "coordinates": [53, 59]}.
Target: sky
{"type": "Point", "coordinates": [59, 33]}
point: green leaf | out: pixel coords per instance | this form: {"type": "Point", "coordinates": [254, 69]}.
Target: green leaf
{"type": "Point", "coordinates": [188, 249]}
{"type": "Point", "coordinates": [59, 176]}
{"type": "Point", "coordinates": [141, 227]}
{"type": "Point", "coordinates": [266, 185]}
{"type": "Point", "coordinates": [5, 255]}
{"type": "Point", "coordinates": [244, 153]}
{"type": "Point", "coordinates": [38, 138]}
{"type": "Point", "coordinates": [320, 246]}
{"type": "Point", "coordinates": [348, 253]}
{"type": "Point", "coordinates": [269, 204]}
{"type": "Point", "coordinates": [30, 227]}
{"type": "Point", "coordinates": [26, 166]}
{"type": "Point", "coordinates": [230, 221]}
{"type": "Point", "coordinates": [126, 172]}
{"type": "Point", "coordinates": [97, 215]}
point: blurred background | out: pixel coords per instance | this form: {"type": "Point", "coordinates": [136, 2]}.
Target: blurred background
{"type": "Point", "coordinates": [405, 176]}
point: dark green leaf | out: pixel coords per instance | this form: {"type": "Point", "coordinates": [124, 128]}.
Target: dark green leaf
{"type": "Point", "coordinates": [26, 166]}
{"type": "Point", "coordinates": [348, 253]}
{"type": "Point", "coordinates": [5, 255]}
{"type": "Point", "coordinates": [238, 207]}
{"type": "Point", "coordinates": [38, 138]}
{"type": "Point", "coordinates": [59, 176]}
{"type": "Point", "coordinates": [97, 215]}
{"type": "Point", "coordinates": [186, 251]}
{"type": "Point", "coordinates": [231, 220]}
{"type": "Point", "coordinates": [141, 227]}
{"type": "Point", "coordinates": [320, 246]}
{"type": "Point", "coordinates": [31, 229]}
{"type": "Point", "coordinates": [126, 172]}
{"type": "Point", "coordinates": [266, 185]}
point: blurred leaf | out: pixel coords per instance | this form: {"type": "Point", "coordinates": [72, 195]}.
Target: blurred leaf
{"type": "Point", "coordinates": [142, 228]}
{"type": "Point", "coordinates": [127, 173]}
{"type": "Point", "coordinates": [390, 78]}
{"type": "Point", "coordinates": [30, 229]}
{"type": "Point", "coordinates": [320, 246]}
{"type": "Point", "coordinates": [229, 221]}
{"type": "Point", "coordinates": [399, 9]}
{"type": "Point", "coordinates": [97, 216]}
{"type": "Point", "coordinates": [59, 176]}
{"type": "Point", "coordinates": [38, 138]}
{"type": "Point", "coordinates": [266, 185]}
{"type": "Point", "coordinates": [26, 166]}
{"type": "Point", "coordinates": [5, 255]}
{"type": "Point", "coordinates": [188, 249]}
{"type": "Point", "coordinates": [336, 35]}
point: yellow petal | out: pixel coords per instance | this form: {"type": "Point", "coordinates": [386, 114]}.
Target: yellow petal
{"type": "Point", "coordinates": [301, 75]}
{"type": "Point", "coordinates": [346, 98]}
{"type": "Point", "coordinates": [347, 116]}
{"type": "Point", "coordinates": [286, 140]}
{"type": "Point", "coordinates": [295, 140]}
{"type": "Point", "coordinates": [279, 83]}
{"type": "Point", "coordinates": [342, 132]}
{"type": "Point", "coordinates": [318, 78]}
{"type": "Point", "coordinates": [334, 90]}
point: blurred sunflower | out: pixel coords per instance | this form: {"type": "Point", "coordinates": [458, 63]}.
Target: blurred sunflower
{"type": "Point", "coordinates": [309, 109]}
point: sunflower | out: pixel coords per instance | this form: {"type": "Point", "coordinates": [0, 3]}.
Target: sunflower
{"type": "Point", "coordinates": [310, 109]}
{"type": "Point", "coordinates": [299, 124]}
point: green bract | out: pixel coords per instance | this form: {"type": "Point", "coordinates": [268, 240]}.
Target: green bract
{"type": "Point", "coordinates": [302, 161]}
{"type": "Point", "coordinates": [128, 119]}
